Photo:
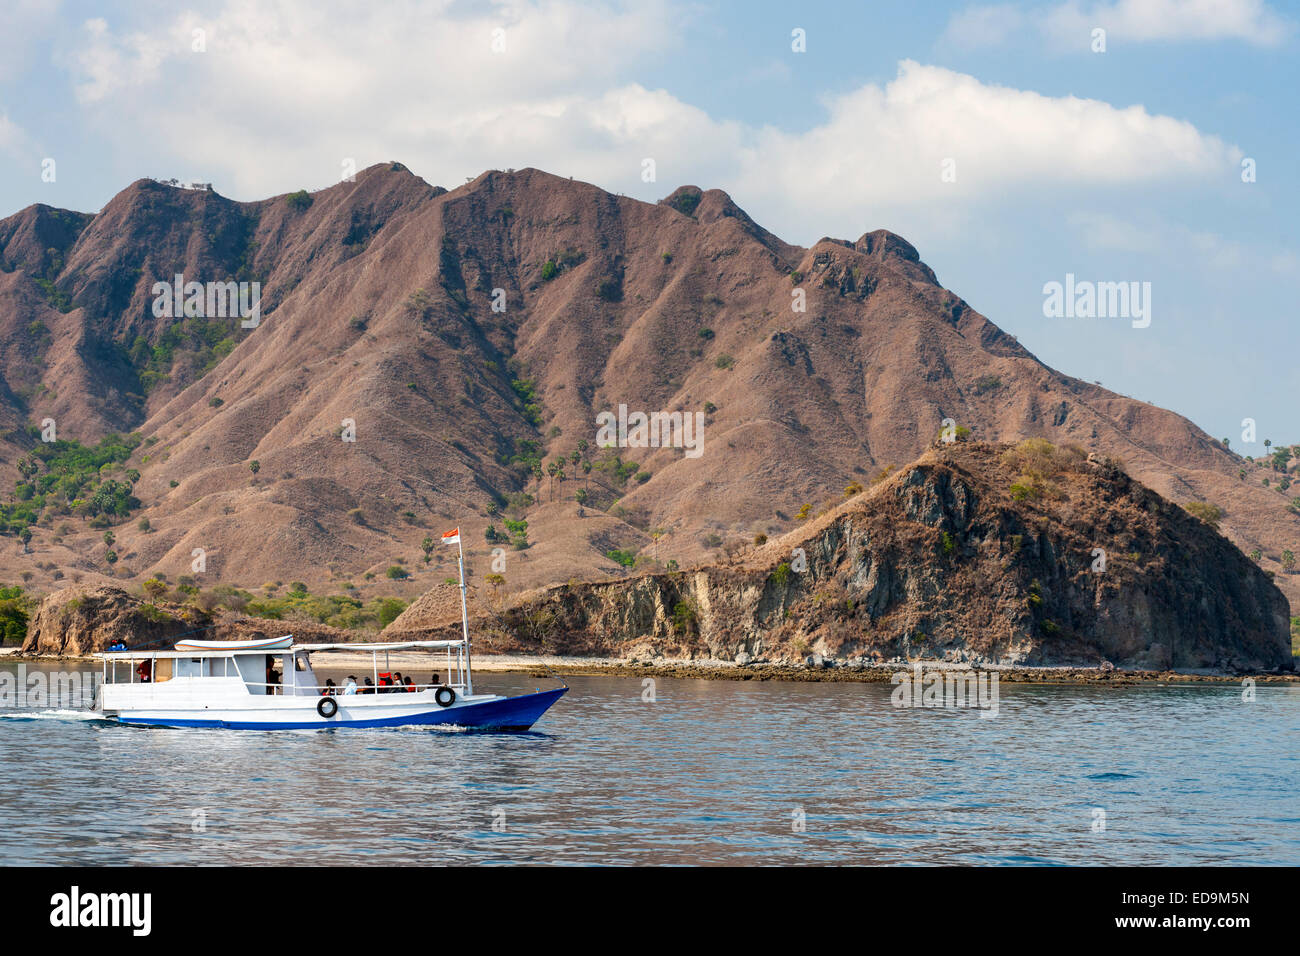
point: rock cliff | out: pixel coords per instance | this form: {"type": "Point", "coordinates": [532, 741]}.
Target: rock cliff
{"type": "Point", "coordinates": [1024, 554]}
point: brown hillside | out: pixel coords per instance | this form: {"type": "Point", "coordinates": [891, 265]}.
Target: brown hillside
{"type": "Point", "coordinates": [377, 308]}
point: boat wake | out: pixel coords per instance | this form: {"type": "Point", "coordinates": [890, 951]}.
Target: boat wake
{"type": "Point", "coordinates": [68, 715]}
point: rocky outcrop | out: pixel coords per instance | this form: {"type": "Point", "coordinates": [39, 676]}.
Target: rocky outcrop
{"type": "Point", "coordinates": [1026, 555]}
{"type": "Point", "coordinates": [83, 620]}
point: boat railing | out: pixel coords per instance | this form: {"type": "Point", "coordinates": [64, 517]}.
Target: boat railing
{"type": "Point", "coordinates": [339, 690]}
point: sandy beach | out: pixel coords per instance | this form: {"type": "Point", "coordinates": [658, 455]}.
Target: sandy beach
{"type": "Point", "coordinates": [421, 663]}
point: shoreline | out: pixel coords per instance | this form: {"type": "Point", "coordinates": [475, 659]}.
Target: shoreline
{"type": "Point", "coordinates": [874, 672]}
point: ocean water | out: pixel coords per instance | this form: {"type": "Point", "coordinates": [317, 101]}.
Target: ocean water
{"type": "Point", "coordinates": [708, 772]}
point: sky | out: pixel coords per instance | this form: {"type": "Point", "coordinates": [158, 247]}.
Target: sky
{"type": "Point", "coordinates": [1014, 144]}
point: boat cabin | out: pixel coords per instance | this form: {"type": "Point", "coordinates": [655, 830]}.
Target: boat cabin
{"type": "Point", "coordinates": [271, 667]}
{"type": "Point", "coordinates": [263, 672]}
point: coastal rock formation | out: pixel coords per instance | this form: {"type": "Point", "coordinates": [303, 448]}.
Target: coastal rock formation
{"type": "Point", "coordinates": [1024, 554]}
{"type": "Point", "coordinates": [85, 619]}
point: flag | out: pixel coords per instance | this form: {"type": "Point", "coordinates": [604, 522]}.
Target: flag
{"type": "Point", "coordinates": [452, 536]}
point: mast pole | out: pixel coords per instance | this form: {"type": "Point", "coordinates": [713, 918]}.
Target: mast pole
{"type": "Point", "coordinates": [464, 620]}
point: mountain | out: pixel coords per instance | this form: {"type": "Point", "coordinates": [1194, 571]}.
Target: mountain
{"type": "Point", "coordinates": [1017, 554]}
{"type": "Point", "coordinates": [377, 322]}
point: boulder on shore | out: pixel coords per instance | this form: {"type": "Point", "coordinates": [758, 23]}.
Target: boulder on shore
{"type": "Point", "coordinates": [84, 619]}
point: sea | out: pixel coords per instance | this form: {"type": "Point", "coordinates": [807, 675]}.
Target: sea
{"type": "Point", "coordinates": [647, 771]}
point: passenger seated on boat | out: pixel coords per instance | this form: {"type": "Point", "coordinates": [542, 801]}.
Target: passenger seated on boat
{"type": "Point", "coordinates": [272, 679]}
{"type": "Point", "coordinates": [369, 688]}
{"type": "Point", "coordinates": [330, 687]}
{"type": "Point", "coordinates": [351, 686]}
{"type": "Point", "coordinates": [410, 684]}
{"type": "Point", "coordinates": [397, 682]}
{"type": "Point", "coordinates": [143, 671]}
{"type": "Point", "coordinates": [434, 680]}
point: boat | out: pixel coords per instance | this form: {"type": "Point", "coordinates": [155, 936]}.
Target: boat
{"type": "Point", "coordinates": [236, 687]}
{"type": "Point", "coordinates": [235, 684]}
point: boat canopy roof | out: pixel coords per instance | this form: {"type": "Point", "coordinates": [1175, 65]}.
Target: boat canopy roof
{"type": "Point", "coordinates": [371, 646]}
{"type": "Point", "coordinates": [227, 648]}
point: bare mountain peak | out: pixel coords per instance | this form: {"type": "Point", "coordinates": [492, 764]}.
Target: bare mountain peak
{"type": "Point", "coordinates": [892, 248]}
{"type": "Point", "coordinates": [685, 199]}
{"type": "Point", "coordinates": [28, 237]}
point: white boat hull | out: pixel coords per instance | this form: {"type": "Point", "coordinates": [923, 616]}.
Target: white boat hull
{"type": "Point", "coordinates": [225, 702]}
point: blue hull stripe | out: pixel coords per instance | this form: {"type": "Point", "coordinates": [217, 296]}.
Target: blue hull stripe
{"type": "Point", "coordinates": [512, 713]}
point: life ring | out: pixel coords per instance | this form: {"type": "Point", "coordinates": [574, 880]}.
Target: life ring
{"type": "Point", "coordinates": [327, 707]}
{"type": "Point", "coordinates": [445, 696]}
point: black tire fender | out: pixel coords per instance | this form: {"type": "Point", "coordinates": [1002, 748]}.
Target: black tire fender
{"type": "Point", "coordinates": [445, 696]}
{"type": "Point", "coordinates": [327, 707]}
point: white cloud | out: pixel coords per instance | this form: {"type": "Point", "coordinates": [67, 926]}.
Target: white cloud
{"type": "Point", "coordinates": [283, 90]}
{"type": "Point", "coordinates": [986, 25]}
{"type": "Point", "coordinates": [1196, 251]}
{"type": "Point", "coordinates": [12, 138]}
{"type": "Point", "coordinates": [283, 95]}
{"type": "Point", "coordinates": [23, 25]}
{"type": "Point", "coordinates": [107, 63]}
{"type": "Point", "coordinates": [882, 147]}
{"type": "Point", "coordinates": [1069, 25]}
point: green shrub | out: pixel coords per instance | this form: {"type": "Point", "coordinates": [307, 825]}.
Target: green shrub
{"type": "Point", "coordinates": [684, 617]}
{"type": "Point", "coordinates": [15, 609]}
{"type": "Point", "coordinates": [686, 202]}
{"type": "Point", "coordinates": [610, 289]}
{"type": "Point", "coordinates": [625, 557]}
{"type": "Point", "coordinates": [1023, 491]}
{"type": "Point", "coordinates": [1210, 514]}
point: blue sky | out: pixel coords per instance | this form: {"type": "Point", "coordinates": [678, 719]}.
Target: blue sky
{"type": "Point", "coordinates": [1122, 165]}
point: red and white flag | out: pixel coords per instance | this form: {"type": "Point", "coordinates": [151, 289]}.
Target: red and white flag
{"type": "Point", "coordinates": [452, 536]}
